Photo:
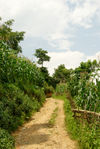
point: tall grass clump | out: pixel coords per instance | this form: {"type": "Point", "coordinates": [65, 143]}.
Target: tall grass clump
{"type": "Point", "coordinates": [87, 135]}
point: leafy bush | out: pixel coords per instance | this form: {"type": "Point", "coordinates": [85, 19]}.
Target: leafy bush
{"type": "Point", "coordinates": [21, 88]}
{"type": "Point", "coordinates": [6, 140]}
{"type": "Point", "coordinates": [14, 107]}
{"type": "Point", "coordinates": [48, 89]}
{"type": "Point", "coordinates": [61, 89]}
{"type": "Point", "coordinates": [21, 92]}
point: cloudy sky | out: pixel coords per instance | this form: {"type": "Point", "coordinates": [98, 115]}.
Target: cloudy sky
{"type": "Point", "coordinates": [68, 29]}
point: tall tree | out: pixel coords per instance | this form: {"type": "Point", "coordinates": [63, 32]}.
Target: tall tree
{"type": "Point", "coordinates": [10, 37]}
{"type": "Point", "coordinates": [41, 56]}
{"type": "Point", "coordinates": [61, 74]}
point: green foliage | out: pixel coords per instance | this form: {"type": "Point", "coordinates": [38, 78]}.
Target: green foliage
{"type": "Point", "coordinates": [6, 140]}
{"type": "Point", "coordinates": [21, 83]}
{"type": "Point", "coordinates": [51, 81]}
{"type": "Point", "coordinates": [39, 95]}
{"type": "Point", "coordinates": [21, 91]}
{"type": "Point", "coordinates": [16, 69]}
{"type": "Point", "coordinates": [48, 89]}
{"type": "Point", "coordinates": [84, 87]}
{"type": "Point", "coordinates": [15, 107]}
{"type": "Point", "coordinates": [61, 74]}
{"type": "Point", "coordinates": [61, 89]}
{"type": "Point", "coordinates": [87, 135]}
{"type": "Point", "coordinates": [88, 96]}
{"type": "Point", "coordinates": [60, 97]}
{"type": "Point", "coordinates": [46, 76]}
{"type": "Point", "coordinates": [73, 84]}
{"type": "Point", "coordinates": [53, 117]}
{"type": "Point", "coordinates": [42, 56]}
{"type": "Point", "coordinates": [11, 38]}
{"type": "Point", "coordinates": [71, 124]}
{"type": "Point", "coordinates": [88, 66]}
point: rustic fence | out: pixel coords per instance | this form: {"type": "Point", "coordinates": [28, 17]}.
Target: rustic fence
{"type": "Point", "coordinates": [89, 116]}
{"type": "Point", "coordinates": [83, 115]}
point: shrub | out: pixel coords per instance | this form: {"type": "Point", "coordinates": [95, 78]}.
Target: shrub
{"type": "Point", "coordinates": [21, 92]}
{"type": "Point", "coordinates": [6, 140]}
{"type": "Point", "coordinates": [15, 106]}
{"type": "Point", "coordinates": [61, 89]}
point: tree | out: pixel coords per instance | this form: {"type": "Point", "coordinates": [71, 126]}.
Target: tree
{"type": "Point", "coordinates": [61, 74]}
{"type": "Point", "coordinates": [42, 56]}
{"type": "Point", "coordinates": [86, 68]}
{"type": "Point", "coordinates": [10, 37]}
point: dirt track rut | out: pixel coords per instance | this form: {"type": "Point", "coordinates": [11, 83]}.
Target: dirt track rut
{"type": "Point", "coordinates": [36, 134]}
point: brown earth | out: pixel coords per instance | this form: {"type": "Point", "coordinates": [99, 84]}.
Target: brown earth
{"type": "Point", "coordinates": [36, 134]}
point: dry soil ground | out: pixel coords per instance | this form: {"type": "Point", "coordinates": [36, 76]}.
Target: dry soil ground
{"type": "Point", "coordinates": [36, 134]}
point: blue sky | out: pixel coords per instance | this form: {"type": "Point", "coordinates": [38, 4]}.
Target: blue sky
{"type": "Point", "coordinates": [87, 40]}
{"type": "Point", "coordinates": [68, 29]}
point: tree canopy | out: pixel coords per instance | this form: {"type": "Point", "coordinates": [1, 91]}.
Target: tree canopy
{"type": "Point", "coordinates": [61, 74]}
{"type": "Point", "coordinates": [12, 38]}
{"type": "Point", "coordinates": [42, 56]}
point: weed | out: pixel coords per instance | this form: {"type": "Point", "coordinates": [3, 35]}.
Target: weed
{"type": "Point", "coordinates": [53, 117]}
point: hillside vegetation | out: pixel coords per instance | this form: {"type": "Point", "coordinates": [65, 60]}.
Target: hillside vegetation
{"type": "Point", "coordinates": [80, 89]}
{"type": "Point", "coordinates": [24, 87]}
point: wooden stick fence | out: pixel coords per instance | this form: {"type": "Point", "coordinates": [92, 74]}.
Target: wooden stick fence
{"type": "Point", "coordinates": [88, 115]}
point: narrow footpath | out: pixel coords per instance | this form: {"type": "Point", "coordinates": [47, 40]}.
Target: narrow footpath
{"type": "Point", "coordinates": [36, 134]}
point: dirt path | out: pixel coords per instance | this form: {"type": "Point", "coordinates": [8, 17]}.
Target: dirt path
{"type": "Point", "coordinates": [36, 134]}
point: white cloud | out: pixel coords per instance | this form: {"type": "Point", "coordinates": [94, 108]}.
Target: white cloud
{"type": "Point", "coordinates": [93, 57]}
{"type": "Point", "coordinates": [84, 11]}
{"type": "Point", "coordinates": [9, 9]}
{"type": "Point", "coordinates": [69, 58]}
{"type": "Point", "coordinates": [39, 18]}
{"type": "Point", "coordinates": [50, 19]}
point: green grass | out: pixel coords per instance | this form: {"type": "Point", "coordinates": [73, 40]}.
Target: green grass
{"type": "Point", "coordinates": [86, 135]}
{"type": "Point", "coordinates": [60, 97]}
{"type": "Point", "coordinates": [53, 117]}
